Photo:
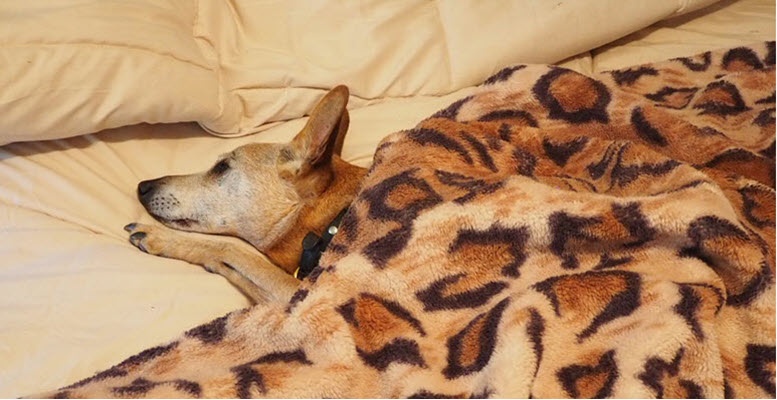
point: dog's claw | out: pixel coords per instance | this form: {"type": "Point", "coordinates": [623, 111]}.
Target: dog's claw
{"type": "Point", "coordinates": [135, 239]}
{"type": "Point", "coordinates": [137, 236]}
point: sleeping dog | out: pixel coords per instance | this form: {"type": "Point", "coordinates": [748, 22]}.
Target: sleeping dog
{"type": "Point", "coordinates": [283, 199]}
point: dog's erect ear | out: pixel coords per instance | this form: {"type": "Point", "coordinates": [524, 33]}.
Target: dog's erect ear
{"type": "Point", "coordinates": [324, 133]}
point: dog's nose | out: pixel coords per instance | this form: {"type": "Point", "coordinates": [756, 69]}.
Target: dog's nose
{"type": "Point", "coordinates": [147, 187]}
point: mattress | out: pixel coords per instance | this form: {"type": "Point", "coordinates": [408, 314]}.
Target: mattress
{"type": "Point", "coordinates": [77, 297]}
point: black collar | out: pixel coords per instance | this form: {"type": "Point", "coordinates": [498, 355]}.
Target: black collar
{"type": "Point", "coordinates": [313, 246]}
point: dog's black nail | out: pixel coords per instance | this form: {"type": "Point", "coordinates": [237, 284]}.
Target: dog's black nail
{"type": "Point", "coordinates": [136, 237]}
{"type": "Point", "coordinates": [130, 227]}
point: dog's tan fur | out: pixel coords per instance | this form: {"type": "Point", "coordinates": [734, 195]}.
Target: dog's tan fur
{"type": "Point", "coordinates": [270, 195]}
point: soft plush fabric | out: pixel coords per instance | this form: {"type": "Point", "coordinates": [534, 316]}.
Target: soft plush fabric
{"type": "Point", "coordinates": [73, 67]}
{"type": "Point", "coordinates": [551, 235]}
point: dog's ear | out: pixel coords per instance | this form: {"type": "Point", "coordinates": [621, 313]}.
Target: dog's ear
{"type": "Point", "coordinates": [324, 133]}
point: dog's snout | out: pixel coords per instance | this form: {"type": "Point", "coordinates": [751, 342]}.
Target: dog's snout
{"type": "Point", "coordinates": [146, 188]}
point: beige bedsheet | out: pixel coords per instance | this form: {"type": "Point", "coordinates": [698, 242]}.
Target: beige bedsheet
{"type": "Point", "coordinates": [75, 297]}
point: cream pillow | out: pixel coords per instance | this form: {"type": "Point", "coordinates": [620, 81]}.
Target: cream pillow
{"type": "Point", "coordinates": [277, 57]}
{"type": "Point", "coordinates": [70, 67]}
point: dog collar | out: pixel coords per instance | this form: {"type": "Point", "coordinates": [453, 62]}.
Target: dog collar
{"type": "Point", "coordinates": [313, 246]}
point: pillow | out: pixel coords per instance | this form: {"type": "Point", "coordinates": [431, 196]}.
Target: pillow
{"type": "Point", "coordinates": [278, 57]}
{"type": "Point", "coordinates": [71, 67]}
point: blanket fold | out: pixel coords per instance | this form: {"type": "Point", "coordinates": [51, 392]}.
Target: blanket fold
{"type": "Point", "coordinates": [552, 235]}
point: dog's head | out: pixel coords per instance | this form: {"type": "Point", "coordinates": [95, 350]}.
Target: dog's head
{"type": "Point", "coordinates": [257, 191]}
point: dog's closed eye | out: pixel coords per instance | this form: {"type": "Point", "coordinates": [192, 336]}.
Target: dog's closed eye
{"type": "Point", "coordinates": [220, 167]}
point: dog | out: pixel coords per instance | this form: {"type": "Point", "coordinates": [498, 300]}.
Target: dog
{"type": "Point", "coordinates": [273, 196]}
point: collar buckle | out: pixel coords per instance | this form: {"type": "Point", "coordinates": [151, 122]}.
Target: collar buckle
{"type": "Point", "coordinates": [313, 246]}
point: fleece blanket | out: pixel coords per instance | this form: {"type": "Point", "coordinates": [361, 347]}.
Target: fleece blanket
{"type": "Point", "coordinates": [552, 235]}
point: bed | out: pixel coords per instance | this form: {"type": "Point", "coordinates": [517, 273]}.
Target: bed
{"type": "Point", "coordinates": [77, 297]}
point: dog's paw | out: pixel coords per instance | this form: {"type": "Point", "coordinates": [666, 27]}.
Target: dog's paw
{"type": "Point", "coordinates": [149, 239]}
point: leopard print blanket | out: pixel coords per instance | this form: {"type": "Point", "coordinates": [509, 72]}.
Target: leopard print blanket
{"type": "Point", "coordinates": [551, 235]}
